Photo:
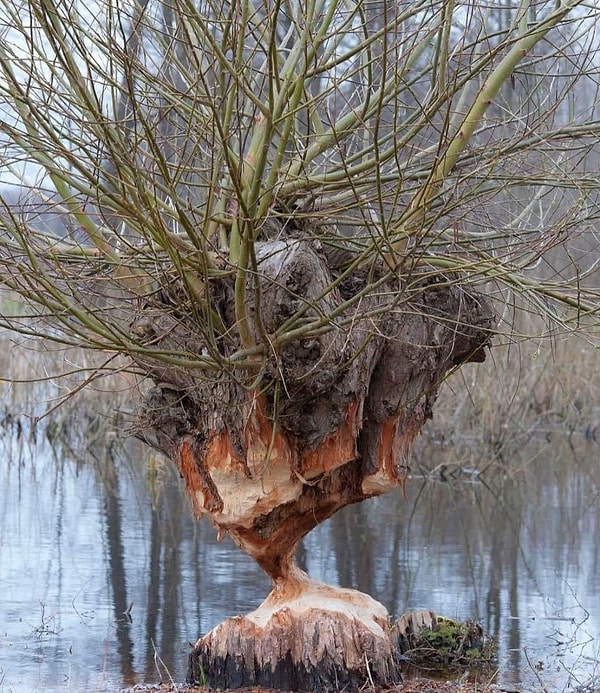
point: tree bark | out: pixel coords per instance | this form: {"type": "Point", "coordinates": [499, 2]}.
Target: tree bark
{"type": "Point", "coordinates": [331, 422]}
{"type": "Point", "coordinates": [305, 636]}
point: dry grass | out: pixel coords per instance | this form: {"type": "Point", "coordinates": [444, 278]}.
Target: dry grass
{"type": "Point", "coordinates": [71, 397]}
{"type": "Point", "coordinates": [525, 391]}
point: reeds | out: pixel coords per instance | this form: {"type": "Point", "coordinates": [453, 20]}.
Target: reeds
{"type": "Point", "coordinates": [529, 391]}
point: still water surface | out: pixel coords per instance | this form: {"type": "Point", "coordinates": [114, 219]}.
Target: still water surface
{"type": "Point", "coordinates": [105, 578]}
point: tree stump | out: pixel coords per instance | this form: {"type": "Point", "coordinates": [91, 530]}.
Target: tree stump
{"type": "Point", "coordinates": [305, 636]}
{"type": "Point", "coordinates": [330, 421]}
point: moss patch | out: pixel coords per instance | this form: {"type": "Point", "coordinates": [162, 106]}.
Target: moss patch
{"type": "Point", "coordinates": [428, 640]}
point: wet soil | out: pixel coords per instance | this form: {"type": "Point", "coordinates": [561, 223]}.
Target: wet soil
{"type": "Point", "coordinates": [416, 685]}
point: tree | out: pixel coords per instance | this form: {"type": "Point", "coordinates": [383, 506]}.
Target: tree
{"type": "Point", "coordinates": [294, 219]}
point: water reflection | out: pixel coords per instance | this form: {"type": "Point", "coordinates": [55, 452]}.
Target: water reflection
{"type": "Point", "coordinates": [105, 578]}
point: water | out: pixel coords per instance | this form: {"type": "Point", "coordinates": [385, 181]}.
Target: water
{"type": "Point", "coordinates": [105, 578]}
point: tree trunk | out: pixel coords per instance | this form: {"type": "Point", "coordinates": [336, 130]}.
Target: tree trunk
{"type": "Point", "coordinates": [330, 422]}
{"type": "Point", "coordinates": [306, 635]}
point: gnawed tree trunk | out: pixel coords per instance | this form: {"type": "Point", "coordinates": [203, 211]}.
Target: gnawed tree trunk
{"type": "Point", "coordinates": [329, 420]}
{"type": "Point", "coordinates": [305, 636]}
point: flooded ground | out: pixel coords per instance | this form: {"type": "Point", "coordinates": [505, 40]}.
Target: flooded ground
{"type": "Point", "coordinates": [105, 578]}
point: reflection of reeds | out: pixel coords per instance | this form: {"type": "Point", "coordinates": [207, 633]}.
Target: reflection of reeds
{"type": "Point", "coordinates": [69, 399]}
{"type": "Point", "coordinates": [59, 395]}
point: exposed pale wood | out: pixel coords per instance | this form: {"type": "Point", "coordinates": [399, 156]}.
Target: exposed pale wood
{"type": "Point", "coordinates": [411, 624]}
{"type": "Point", "coordinates": [305, 636]}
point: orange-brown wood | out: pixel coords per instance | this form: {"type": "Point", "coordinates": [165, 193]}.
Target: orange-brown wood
{"type": "Point", "coordinates": [335, 450]}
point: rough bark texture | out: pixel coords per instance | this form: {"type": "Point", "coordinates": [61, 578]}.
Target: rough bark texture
{"type": "Point", "coordinates": [330, 422]}
{"type": "Point", "coordinates": [305, 636]}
